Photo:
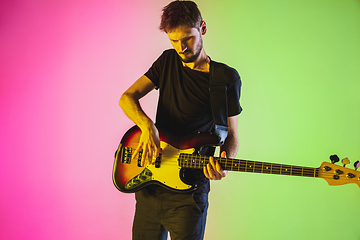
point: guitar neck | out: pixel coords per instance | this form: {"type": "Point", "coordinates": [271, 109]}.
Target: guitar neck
{"type": "Point", "coordinates": [196, 161]}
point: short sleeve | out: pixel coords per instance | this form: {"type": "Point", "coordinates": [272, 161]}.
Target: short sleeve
{"type": "Point", "coordinates": [233, 92]}
{"type": "Point", "coordinates": [154, 71]}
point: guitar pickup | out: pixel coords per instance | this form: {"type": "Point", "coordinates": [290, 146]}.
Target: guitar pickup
{"type": "Point", "coordinates": [139, 158]}
{"type": "Point", "coordinates": [158, 161]}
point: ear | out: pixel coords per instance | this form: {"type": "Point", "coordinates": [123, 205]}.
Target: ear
{"type": "Point", "coordinates": [203, 28]}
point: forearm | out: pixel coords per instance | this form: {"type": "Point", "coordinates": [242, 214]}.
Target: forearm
{"type": "Point", "coordinates": [230, 146]}
{"type": "Point", "coordinates": [131, 106]}
{"type": "Point", "coordinates": [231, 143]}
{"type": "Point", "coordinates": [149, 142]}
{"type": "Point", "coordinates": [129, 102]}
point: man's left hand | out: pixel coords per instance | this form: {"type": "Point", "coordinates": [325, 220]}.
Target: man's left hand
{"type": "Point", "coordinates": [213, 170]}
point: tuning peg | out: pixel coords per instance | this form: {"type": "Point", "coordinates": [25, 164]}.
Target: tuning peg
{"type": "Point", "coordinates": [345, 161]}
{"type": "Point", "coordinates": [357, 165]}
{"type": "Point", "coordinates": [334, 159]}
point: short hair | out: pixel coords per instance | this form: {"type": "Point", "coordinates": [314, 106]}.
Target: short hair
{"type": "Point", "coordinates": [180, 13]}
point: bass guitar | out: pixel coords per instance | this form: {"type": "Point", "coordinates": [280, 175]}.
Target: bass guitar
{"type": "Point", "coordinates": [179, 154]}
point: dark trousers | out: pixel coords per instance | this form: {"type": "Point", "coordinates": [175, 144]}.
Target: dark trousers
{"type": "Point", "coordinates": [159, 212]}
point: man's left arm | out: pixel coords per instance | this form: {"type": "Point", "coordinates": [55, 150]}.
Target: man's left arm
{"type": "Point", "coordinates": [213, 170]}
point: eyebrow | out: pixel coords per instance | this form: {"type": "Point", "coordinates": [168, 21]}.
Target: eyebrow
{"type": "Point", "coordinates": [184, 38]}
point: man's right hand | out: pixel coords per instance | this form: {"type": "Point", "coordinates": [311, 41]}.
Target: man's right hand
{"type": "Point", "coordinates": [149, 143]}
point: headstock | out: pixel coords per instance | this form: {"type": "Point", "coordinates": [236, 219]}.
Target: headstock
{"type": "Point", "coordinates": [339, 175]}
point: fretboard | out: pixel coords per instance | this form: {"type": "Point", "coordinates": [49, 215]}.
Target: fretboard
{"type": "Point", "coordinates": [196, 161]}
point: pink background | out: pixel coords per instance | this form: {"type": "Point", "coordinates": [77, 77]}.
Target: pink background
{"type": "Point", "coordinates": [63, 67]}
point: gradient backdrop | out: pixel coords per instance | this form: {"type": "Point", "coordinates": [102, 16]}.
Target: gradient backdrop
{"type": "Point", "coordinates": [64, 65]}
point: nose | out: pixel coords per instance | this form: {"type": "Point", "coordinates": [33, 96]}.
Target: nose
{"type": "Point", "coordinates": [183, 47]}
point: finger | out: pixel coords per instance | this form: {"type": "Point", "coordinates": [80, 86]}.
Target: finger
{"type": "Point", "coordinates": [143, 157]}
{"type": "Point", "coordinates": [206, 173]}
{"type": "Point", "coordinates": [211, 167]}
{"type": "Point", "coordinates": [212, 173]}
{"type": "Point", "coordinates": [149, 154]}
{"type": "Point", "coordinates": [135, 153]}
{"type": "Point", "coordinates": [218, 172]}
{"type": "Point", "coordinates": [212, 162]}
{"type": "Point", "coordinates": [219, 169]}
{"type": "Point", "coordinates": [223, 154]}
{"type": "Point", "coordinates": [215, 175]}
{"type": "Point", "coordinates": [157, 151]}
{"type": "Point", "coordinates": [209, 171]}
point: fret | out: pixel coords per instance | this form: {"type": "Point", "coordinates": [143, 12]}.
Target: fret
{"type": "Point", "coordinates": [298, 171]}
{"type": "Point", "coordinates": [286, 170]}
{"type": "Point", "coordinates": [310, 172]}
{"type": "Point", "coordinates": [252, 166]}
{"type": "Point", "coordinates": [267, 168]}
{"type": "Point", "coordinates": [242, 166]}
{"type": "Point", "coordinates": [184, 162]}
{"type": "Point", "coordinates": [316, 172]}
{"type": "Point", "coordinates": [193, 163]}
{"type": "Point", "coordinates": [226, 161]}
{"type": "Point", "coordinates": [276, 168]}
{"type": "Point", "coordinates": [237, 165]}
{"type": "Point", "coordinates": [230, 165]}
{"type": "Point", "coordinates": [258, 167]}
{"type": "Point", "coordinates": [203, 162]}
{"type": "Point", "coordinates": [249, 166]}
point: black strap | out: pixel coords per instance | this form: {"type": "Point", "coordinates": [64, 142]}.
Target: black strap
{"type": "Point", "coordinates": [218, 100]}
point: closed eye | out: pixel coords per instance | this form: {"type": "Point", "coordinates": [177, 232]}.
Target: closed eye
{"type": "Point", "coordinates": [183, 40]}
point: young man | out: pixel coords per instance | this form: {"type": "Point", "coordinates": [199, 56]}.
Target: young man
{"type": "Point", "coordinates": [182, 77]}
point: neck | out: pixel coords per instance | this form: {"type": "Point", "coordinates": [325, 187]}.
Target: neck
{"type": "Point", "coordinates": [202, 63]}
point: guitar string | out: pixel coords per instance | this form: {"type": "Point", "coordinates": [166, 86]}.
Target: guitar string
{"type": "Point", "coordinates": [185, 160]}
{"type": "Point", "coordinates": [324, 175]}
{"type": "Point", "coordinates": [251, 166]}
{"type": "Point", "coordinates": [309, 173]}
{"type": "Point", "coordinates": [258, 167]}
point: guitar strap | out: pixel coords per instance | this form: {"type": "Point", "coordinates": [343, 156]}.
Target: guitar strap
{"type": "Point", "coordinates": [218, 100]}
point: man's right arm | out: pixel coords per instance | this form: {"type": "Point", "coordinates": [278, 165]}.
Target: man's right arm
{"type": "Point", "coordinates": [129, 102]}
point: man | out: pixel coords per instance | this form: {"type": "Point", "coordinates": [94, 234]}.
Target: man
{"type": "Point", "coordinates": [182, 77]}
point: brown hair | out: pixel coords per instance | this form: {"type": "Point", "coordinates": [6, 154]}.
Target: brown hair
{"type": "Point", "coordinates": [180, 13]}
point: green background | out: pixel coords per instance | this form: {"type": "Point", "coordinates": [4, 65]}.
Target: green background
{"type": "Point", "coordinates": [299, 62]}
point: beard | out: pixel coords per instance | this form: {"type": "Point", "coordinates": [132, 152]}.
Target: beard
{"type": "Point", "coordinates": [190, 56]}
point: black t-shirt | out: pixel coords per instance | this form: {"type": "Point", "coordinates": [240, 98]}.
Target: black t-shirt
{"type": "Point", "coordinates": [184, 97]}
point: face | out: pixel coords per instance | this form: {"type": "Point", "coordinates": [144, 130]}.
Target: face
{"type": "Point", "coordinates": [187, 42]}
